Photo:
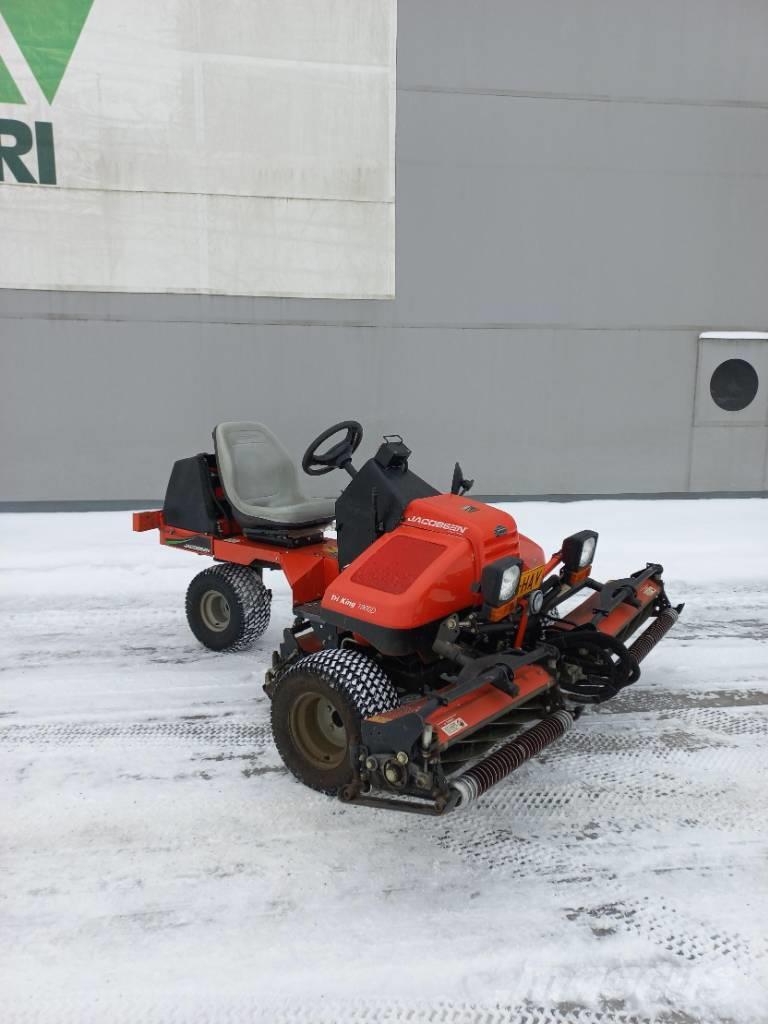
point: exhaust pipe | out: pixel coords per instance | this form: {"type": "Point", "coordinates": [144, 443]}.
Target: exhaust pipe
{"type": "Point", "coordinates": [492, 769]}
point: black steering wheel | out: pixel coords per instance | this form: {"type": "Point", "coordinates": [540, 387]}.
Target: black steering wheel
{"type": "Point", "coordinates": [338, 455]}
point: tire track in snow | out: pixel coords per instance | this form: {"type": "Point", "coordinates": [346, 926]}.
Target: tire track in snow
{"type": "Point", "coordinates": [210, 732]}
{"type": "Point", "coordinates": [636, 700]}
{"type": "Point", "coordinates": [600, 783]}
{"type": "Point", "coordinates": [675, 930]}
{"type": "Point", "coordinates": [357, 1011]}
{"type": "Point", "coordinates": [726, 721]}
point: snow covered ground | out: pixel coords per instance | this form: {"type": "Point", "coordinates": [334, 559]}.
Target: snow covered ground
{"type": "Point", "coordinates": [157, 864]}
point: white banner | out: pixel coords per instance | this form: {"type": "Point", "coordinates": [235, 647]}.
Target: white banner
{"type": "Point", "coordinates": [242, 147]}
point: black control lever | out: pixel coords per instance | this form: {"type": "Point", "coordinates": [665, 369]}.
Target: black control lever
{"type": "Point", "coordinates": [459, 485]}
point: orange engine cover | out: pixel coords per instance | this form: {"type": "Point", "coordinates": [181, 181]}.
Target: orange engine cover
{"type": "Point", "coordinates": [426, 568]}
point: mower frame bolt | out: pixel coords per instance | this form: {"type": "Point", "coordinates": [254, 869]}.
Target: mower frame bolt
{"type": "Point", "coordinates": [370, 763]}
{"type": "Point", "coordinates": [401, 757]}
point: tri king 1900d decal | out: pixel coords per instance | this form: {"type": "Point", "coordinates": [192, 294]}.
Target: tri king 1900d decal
{"type": "Point", "coordinates": [347, 602]}
{"type": "Point", "coordinates": [438, 524]}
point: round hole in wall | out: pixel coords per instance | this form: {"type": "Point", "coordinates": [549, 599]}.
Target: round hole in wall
{"type": "Point", "coordinates": [734, 385]}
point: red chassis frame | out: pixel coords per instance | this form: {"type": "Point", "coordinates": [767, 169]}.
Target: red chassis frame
{"type": "Point", "coordinates": [310, 569]}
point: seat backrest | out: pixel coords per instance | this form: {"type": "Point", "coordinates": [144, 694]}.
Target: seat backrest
{"type": "Point", "coordinates": [254, 468]}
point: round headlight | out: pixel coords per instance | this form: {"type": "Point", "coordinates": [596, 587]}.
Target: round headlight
{"type": "Point", "coordinates": [535, 602]}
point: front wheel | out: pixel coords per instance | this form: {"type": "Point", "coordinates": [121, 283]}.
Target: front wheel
{"type": "Point", "coordinates": [228, 607]}
{"type": "Point", "coordinates": [317, 706]}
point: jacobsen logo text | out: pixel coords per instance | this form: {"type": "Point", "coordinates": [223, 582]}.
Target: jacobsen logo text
{"type": "Point", "coordinates": [451, 527]}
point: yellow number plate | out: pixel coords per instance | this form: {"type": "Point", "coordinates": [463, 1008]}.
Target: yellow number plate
{"type": "Point", "coordinates": [530, 580]}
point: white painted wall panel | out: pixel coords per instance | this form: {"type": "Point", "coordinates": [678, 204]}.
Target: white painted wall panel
{"type": "Point", "coordinates": [318, 130]}
{"type": "Point", "coordinates": [334, 31]}
{"type": "Point", "coordinates": [281, 111]}
{"type": "Point", "coordinates": [195, 243]}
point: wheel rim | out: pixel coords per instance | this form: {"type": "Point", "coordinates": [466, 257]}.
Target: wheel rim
{"type": "Point", "coordinates": [318, 730]}
{"type": "Point", "coordinates": [214, 611]}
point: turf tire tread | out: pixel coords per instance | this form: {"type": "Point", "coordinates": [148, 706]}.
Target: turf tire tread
{"type": "Point", "coordinates": [254, 598]}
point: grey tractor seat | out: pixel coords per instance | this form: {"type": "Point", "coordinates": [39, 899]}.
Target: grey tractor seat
{"type": "Point", "coordinates": [261, 483]}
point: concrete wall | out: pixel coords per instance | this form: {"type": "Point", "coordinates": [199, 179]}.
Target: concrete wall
{"type": "Point", "coordinates": [581, 190]}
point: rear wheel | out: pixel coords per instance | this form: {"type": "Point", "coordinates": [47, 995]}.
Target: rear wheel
{"type": "Point", "coordinates": [228, 607]}
{"type": "Point", "coordinates": [317, 706]}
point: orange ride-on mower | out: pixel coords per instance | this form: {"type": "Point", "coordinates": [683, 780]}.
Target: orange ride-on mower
{"type": "Point", "coordinates": [427, 635]}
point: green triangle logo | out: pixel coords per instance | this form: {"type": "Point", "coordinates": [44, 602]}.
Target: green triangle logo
{"type": "Point", "coordinates": [9, 92]}
{"type": "Point", "coordinates": [46, 32]}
